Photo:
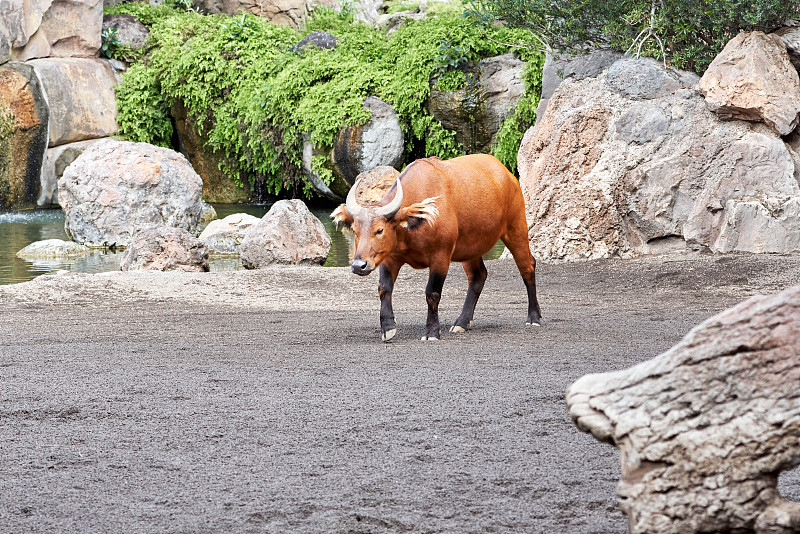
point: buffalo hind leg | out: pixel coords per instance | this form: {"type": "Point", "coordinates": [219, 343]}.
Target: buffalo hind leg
{"type": "Point", "coordinates": [385, 287]}
{"type": "Point", "coordinates": [517, 242]}
{"type": "Point", "coordinates": [433, 294]}
{"type": "Point", "coordinates": [476, 276]}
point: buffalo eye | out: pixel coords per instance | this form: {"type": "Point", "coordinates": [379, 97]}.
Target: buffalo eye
{"type": "Point", "coordinates": [379, 231]}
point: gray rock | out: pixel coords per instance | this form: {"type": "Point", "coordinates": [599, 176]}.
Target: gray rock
{"type": "Point", "coordinates": [53, 248]}
{"type": "Point", "coordinates": [323, 40]}
{"type": "Point", "coordinates": [557, 69]}
{"type": "Point", "coordinates": [130, 31]}
{"type": "Point", "coordinates": [114, 189]}
{"type": "Point", "coordinates": [288, 234]}
{"type": "Point", "coordinates": [605, 174]}
{"type": "Point", "coordinates": [55, 163]}
{"type": "Point", "coordinates": [642, 123]}
{"type": "Point", "coordinates": [161, 248]}
{"type": "Point", "coordinates": [224, 236]}
{"type": "Point", "coordinates": [358, 149]}
{"type": "Point", "coordinates": [705, 429]}
{"type": "Point", "coordinates": [642, 78]}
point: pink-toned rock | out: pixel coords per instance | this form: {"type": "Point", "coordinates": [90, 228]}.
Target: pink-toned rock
{"type": "Point", "coordinates": [375, 184]}
{"type": "Point", "coordinates": [753, 79]}
{"type": "Point", "coordinates": [160, 248]}
{"type": "Point", "coordinates": [289, 234]}
{"type": "Point", "coordinates": [705, 429]}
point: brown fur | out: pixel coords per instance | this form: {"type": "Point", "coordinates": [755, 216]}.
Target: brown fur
{"type": "Point", "coordinates": [468, 204]}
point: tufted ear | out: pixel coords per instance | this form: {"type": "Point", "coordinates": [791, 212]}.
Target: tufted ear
{"type": "Point", "coordinates": [412, 216]}
{"type": "Point", "coordinates": [340, 216]}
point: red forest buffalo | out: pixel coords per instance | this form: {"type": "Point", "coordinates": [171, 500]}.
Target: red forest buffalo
{"type": "Point", "coordinates": [437, 212]}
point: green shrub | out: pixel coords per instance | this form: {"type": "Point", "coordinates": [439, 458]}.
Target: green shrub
{"type": "Point", "coordinates": [255, 98]}
{"type": "Point", "coordinates": [146, 13]}
{"type": "Point", "coordinates": [689, 33]}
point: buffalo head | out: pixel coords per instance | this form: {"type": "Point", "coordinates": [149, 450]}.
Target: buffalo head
{"type": "Point", "coordinates": [376, 227]}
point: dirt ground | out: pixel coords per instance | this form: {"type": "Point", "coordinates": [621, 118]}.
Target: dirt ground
{"type": "Point", "coordinates": [264, 401]}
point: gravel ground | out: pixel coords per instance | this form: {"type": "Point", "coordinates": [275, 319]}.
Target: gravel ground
{"type": "Point", "coordinates": [264, 401]}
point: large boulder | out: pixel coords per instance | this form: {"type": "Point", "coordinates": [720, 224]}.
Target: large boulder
{"type": "Point", "coordinates": [224, 236]}
{"type": "Point", "coordinates": [620, 166]}
{"type": "Point", "coordinates": [753, 79]}
{"type": "Point", "coordinates": [161, 248]}
{"type": "Point", "coordinates": [23, 135]}
{"type": "Point", "coordinates": [116, 188]}
{"type": "Point", "coordinates": [217, 187]}
{"type": "Point", "coordinates": [80, 93]}
{"type": "Point", "coordinates": [56, 161]}
{"type": "Point", "coordinates": [379, 142]}
{"type": "Point", "coordinates": [477, 111]}
{"type": "Point", "coordinates": [705, 429]}
{"type": "Point", "coordinates": [288, 234]}
{"type": "Point", "coordinates": [57, 28]}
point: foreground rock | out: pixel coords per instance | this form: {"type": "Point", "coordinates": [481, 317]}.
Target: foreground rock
{"type": "Point", "coordinates": [288, 234]}
{"type": "Point", "coordinates": [160, 248]}
{"type": "Point", "coordinates": [53, 248]}
{"type": "Point", "coordinates": [753, 79]}
{"type": "Point", "coordinates": [705, 428]}
{"type": "Point", "coordinates": [632, 162]}
{"type": "Point", "coordinates": [23, 135]}
{"type": "Point", "coordinates": [114, 189]}
{"type": "Point", "coordinates": [224, 236]}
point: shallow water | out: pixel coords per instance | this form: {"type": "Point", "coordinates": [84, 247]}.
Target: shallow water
{"type": "Point", "coordinates": [20, 228]}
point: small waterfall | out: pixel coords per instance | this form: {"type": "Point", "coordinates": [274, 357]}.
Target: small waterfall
{"type": "Point", "coordinates": [43, 193]}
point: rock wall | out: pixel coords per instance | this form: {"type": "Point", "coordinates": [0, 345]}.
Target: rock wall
{"type": "Point", "coordinates": [67, 95]}
{"type": "Point", "coordinates": [632, 161]}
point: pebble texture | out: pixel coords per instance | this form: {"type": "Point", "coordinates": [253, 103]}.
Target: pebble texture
{"type": "Point", "coordinates": [705, 428]}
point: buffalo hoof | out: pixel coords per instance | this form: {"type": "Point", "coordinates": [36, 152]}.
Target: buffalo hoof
{"type": "Point", "coordinates": [429, 338]}
{"type": "Point", "coordinates": [460, 329]}
{"type": "Point", "coordinates": [388, 335]}
{"type": "Point", "coordinates": [535, 323]}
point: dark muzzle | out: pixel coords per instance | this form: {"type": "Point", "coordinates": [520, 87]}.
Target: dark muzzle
{"type": "Point", "coordinates": [360, 267]}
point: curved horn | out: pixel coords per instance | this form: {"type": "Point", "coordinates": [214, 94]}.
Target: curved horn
{"type": "Point", "coordinates": [352, 207]}
{"type": "Point", "coordinates": [394, 206]}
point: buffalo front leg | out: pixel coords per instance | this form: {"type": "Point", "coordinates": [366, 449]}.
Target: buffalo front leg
{"type": "Point", "coordinates": [387, 275]}
{"type": "Point", "coordinates": [433, 294]}
{"type": "Point", "coordinates": [476, 275]}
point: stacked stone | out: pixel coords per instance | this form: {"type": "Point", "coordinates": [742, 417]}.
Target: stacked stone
{"type": "Point", "coordinates": [56, 94]}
